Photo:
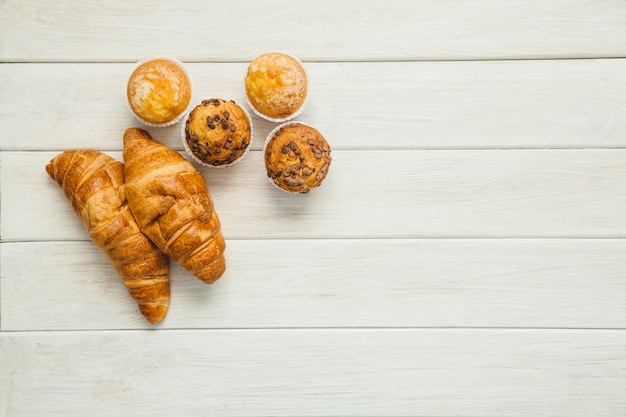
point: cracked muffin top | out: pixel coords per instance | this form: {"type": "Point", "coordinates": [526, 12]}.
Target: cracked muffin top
{"type": "Point", "coordinates": [297, 157]}
{"type": "Point", "coordinates": [159, 91]}
{"type": "Point", "coordinates": [276, 86]}
{"type": "Point", "coordinates": [217, 132]}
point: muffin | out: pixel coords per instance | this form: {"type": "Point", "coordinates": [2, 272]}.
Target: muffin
{"type": "Point", "coordinates": [159, 91]}
{"type": "Point", "coordinates": [297, 157]}
{"type": "Point", "coordinates": [217, 133]}
{"type": "Point", "coordinates": [276, 86]}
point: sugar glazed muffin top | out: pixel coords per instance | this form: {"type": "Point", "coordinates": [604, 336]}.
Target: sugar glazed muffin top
{"type": "Point", "coordinates": [217, 132]}
{"type": "Point", "coordinates": [158, 91]}
{"type": "Point", "coordinates": [276, 85]}
{"type": "Point", "coordinates": [297, 157]}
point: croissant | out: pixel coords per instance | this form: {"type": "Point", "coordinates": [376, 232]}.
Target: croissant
{"type": "Point", "coordinates": [173, 206]}
{"type": "Point", "coordinates": [93, 183]}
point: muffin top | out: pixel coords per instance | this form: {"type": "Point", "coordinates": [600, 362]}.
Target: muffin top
{"type": "Point", "coordinates": [158, 91]}
{"type": "Point", "coordinates": [276, 85]}
{"type": "Point", "coordinates": [297, 157]}
{"type": "Point", "coordinates": [217, 132]}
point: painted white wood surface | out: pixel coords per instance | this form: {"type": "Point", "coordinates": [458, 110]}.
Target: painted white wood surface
{"type": "Point", "coordinates": [327, 30]}
{"type": "Point", "coordinates": [466, 255]}
{"type": "Point", "coordinates": [376, 194]}
{"type": "Point", "coordinates": [334, 283]}
{"type": "Point", "coordinates": [316, 372]}
{"type": "Point", "coordinates": [373, 105]}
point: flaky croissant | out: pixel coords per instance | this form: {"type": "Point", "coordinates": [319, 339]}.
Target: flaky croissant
{"type": "Point", "coordinates": [173, 206]}
{"type": "Point", "coordinates": [93, 183]}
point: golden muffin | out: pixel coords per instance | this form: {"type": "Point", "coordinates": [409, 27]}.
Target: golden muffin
{"type": "Point", "coordinates": [159, 91]}
{"type": "Point", "coordinates": [297, 157]}
{"type": "Point", "coordinates": [276, 86]}
{"type": "Point", "coordinates": [217, 132]}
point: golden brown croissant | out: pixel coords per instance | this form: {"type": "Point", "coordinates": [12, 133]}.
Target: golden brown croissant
{"type": "Point", "coordinates": [93, 183]}
{"type": "Point", "coordinates": [173, 206]}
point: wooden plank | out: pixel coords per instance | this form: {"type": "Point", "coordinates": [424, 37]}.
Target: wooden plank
{"type": "Point", "coordinates": [398, 105]}
{"type": "Point", "coordinates": [374, 194]}
{"type": "Point", "coordinates": [32, 31]}
{"type": "Point", "coordinates": [505, 373]}
{"type": "Point", "coordinates": [550, 283]}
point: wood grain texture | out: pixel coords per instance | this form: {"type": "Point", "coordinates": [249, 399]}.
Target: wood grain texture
{"type": "Point", "coordinates": [464, 257]}
{"type": "Point", "coordinates": [323, 30]}
{"type": "Point", "coordinates": [406, 194]}
{"type": "Point", "coordinates": [504, 373]}
{"type": "Point", "coordinates": [398, 105]}
{"type": "Point", "coordinates": [553, 283]}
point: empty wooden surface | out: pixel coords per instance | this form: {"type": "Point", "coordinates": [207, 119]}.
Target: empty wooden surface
{"type": "Point", "coordinates": [466, 255]}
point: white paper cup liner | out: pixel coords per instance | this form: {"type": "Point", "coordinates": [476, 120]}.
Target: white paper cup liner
{"type": "Point", "coordinates": [182, 114]}
{"type": "Point", "coordinates": [205, 164]}
{"type": "Point", "coordinates": [278, 120]}
{"type": "Point", "coordinates": [293, 115]}
{"type": "Point", "coordinates": [267, 141]}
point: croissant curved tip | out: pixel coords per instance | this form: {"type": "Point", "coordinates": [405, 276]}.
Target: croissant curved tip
{"type": "Point", "coordinates": [212, 272]}
{"type": "Point", "coordinates": [154, 313]}
{"type": "Point", "coordinates": [133, 133]}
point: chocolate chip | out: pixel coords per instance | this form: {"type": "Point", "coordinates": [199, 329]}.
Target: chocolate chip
{"type": "Point", "coordinates": [224, 124]}
{"type": "Point", "coordinates": [211, 125]}
{"type": "Point", "coordinates": [226, 115]}
{"type": "Point", "coordinates": [233, 128]}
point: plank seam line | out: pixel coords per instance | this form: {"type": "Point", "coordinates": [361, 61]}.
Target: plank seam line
{"type": "Point", "coordinates": [349, 61]}
{"type": "Point", "coordinates": [335, 329]}
{"type": "Point", "coordinates": [364, 238]}
{"type": "Point", "coordinates": [413, 149]}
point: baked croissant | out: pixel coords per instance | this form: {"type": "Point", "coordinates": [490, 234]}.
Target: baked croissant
{"type": "Point", "coordinates": [173, 206]}
{"type": "Point", "coordinates": [94, 184]}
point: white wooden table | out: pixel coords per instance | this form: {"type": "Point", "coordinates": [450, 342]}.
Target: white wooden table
{"type": "Point", "coordinates": [466, 255]}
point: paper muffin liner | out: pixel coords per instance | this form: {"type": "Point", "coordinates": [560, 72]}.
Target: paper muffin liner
{"type": "Point", "coordinates": [300, 110]}
{"type": "Point", "coordinates": [205, 164]}
{"type": "Point", "coordinates": [183, 113]}
{"type": "Point", "coordinates": [267, 141]}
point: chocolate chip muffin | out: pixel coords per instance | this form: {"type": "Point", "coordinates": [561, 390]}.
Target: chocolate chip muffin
{"type": "Point", "coordinates": [297, 157]}
{"type": "Point", "coordinates": [159, 91]}
{"type": "Point", "coordinates": [217, 133]}
{"type": "Point", "coordinates": [276, 86]}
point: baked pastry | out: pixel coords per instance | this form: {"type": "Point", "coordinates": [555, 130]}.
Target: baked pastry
{"type": "Point", "coordinates": [93, 183]}
{"type": "Point", "coordinates": [159, 91]}
{"type": "Point", "coordinates": [297, 157]}
{"type": "Point", "coordinates": [172, 205]}
{"type": "Point", "coordinates": [276, 86]}
{"type": "Point", "coordinates": [217, 133]}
